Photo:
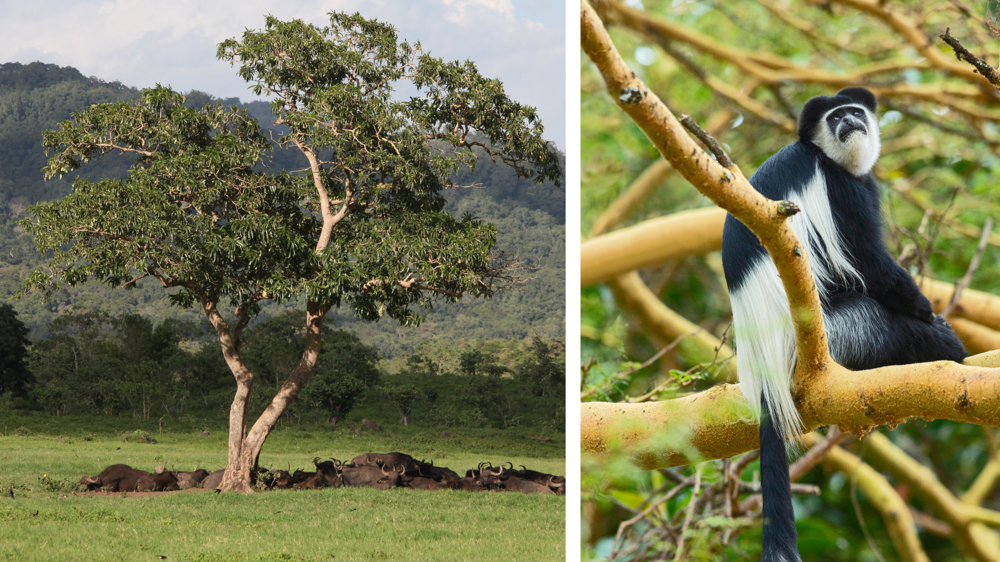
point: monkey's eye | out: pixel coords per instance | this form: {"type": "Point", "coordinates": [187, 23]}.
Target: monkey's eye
{"type": "Point", "coordinates": [835, 118]}
{"type": "Point", "coordinates": [857, 114]}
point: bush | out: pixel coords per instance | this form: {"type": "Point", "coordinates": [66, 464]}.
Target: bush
{"type": "Point", "coordinates": [57, 485]}
{"type": "Point", "coordinates": [137, 436]}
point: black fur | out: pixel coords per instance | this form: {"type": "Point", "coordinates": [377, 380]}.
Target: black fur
{"type": "Point", "coordinates": [779, 540]}
{"type": "Point", "coordinates": [902, 321]}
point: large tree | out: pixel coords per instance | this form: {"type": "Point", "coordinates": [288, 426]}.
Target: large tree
{"type": "Point", "coordinates": [363, 227]}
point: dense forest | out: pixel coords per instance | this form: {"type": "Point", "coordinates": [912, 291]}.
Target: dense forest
{"type": "Point", "coordinates": [93, 350]}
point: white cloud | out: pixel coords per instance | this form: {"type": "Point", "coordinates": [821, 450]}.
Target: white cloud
{"type": "Point", "coordinates": [140, 43]}
{"type": "Point", "coordinates": [464, 12]}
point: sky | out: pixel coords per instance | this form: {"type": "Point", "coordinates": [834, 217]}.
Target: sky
{"type": "Point", "coordinates": [141, 42]}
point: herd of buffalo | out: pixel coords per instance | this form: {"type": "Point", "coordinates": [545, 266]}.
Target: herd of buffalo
{"type": "Point", "coordinates": [372, 470]}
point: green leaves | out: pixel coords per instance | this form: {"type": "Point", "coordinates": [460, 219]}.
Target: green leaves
{"type": "Point", "coordinates": [192, 213]}
{"type": "Point", "coordinates": [363, 224]}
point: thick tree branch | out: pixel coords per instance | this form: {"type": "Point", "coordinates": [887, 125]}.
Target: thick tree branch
{"type": "Point", "coordinates": [665, 325]}
{"type": "Point", "coordinates": [633, 196]}
{"type": "Point", "coordinates": [976, 337]}
{"type": "Point", "coordinates": [715, 423]}
{"type": "Point", "coordinates": [981, 308]}
{"type": "Point", "coordinates": [650, 243]}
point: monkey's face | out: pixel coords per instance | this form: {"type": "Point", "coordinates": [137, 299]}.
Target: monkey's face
{"type": "Point", "coordinates": [849, 135]}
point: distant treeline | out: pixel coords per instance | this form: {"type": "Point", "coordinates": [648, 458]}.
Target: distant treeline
{"type": "Point", "coordinates": [94, 363]}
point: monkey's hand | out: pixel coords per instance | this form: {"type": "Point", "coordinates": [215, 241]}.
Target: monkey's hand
{"type": "Point", "coordinates": [904, 297]}
{"type": "Point", "coordinates": [922, 309]}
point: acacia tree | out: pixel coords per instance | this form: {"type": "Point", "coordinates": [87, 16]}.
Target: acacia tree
{"type": "Point", "coordinates": [364, 226]}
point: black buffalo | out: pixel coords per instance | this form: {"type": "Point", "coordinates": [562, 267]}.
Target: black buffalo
{"type": "Point", "coordinates": [378, 477]}
{"type": "Point", "coordinates": [213, 480]}
{"type": "Point", "coordinates": [191, 479]}
{"type": "Point", "coordinates": [438, 473]}
{"type": "Point", "coordinates": [115, 478]}
{"type": "Point", "coordinates": [425, 483]}
{"type": "Point", "coordinates": [391, 460]}
{"type": "Point", "coordinates": [159, 482]}
{"type": "Point", "coordinates": [327, 474]}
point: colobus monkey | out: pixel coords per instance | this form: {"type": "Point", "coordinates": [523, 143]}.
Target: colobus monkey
{"type": "Point", "coordinates": [873, 311]}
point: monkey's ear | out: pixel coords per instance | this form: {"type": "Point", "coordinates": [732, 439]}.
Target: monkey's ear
{"type": "Point", "coordinates": [859, 95]}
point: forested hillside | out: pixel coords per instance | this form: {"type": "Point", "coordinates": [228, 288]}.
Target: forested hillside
{"type": "Point", "coordinates": [529, 218]}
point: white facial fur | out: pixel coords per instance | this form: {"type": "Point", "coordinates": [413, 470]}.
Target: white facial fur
{"type": "Point", "coordinates": [859, 152]}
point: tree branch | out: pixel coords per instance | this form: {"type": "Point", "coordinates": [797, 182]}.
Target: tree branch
{"type": "Point", "coordinates": [658, 321]}
{"type": "Point", "coordinates": [633, 196]}
{"type": "Point", "coordinates": [895, 513]}
{"type": "Point", "coordinates": [653, 242]}
{"type": "Point", "coordinates": [715, 424]}
{"type": "Point", "coordinates": [727, 188]}
{"type": "Point", "coordinates": [965, 520]}
{"type": "Point", "coordinates": [961, 53]}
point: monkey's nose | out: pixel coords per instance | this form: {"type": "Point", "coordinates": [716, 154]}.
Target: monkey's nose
{"type": "Point", "coordinates": [850, 124]}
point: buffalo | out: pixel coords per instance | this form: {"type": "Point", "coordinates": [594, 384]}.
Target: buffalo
{"type": "Point", "coordinates": [425, 483]}
{"type": "Point", "coordinates": [191, 479]}
{"type": "Point", "coordinates": [513, 483]}
{"type": "Point", "coordinates": [555, 483]}
{"type": "Point", "coordinates": [371, 476]}
{"type": "Point", "coordinates": [527, 481]}
{"type": "Point", "coordinates": [213, 480]}
{"type": "Point", "coordinates": [115, 478]}
{"type": "Point", "coordinates": [468, 484]}
{"type": "Point", "coordinates": [439, 473]}
{"type": "Point", "coordinates": [160, 481]}
{"type": "Point", "coordinates": [327, 474]}
{"type": "Point", "coordinates": [408, 463]}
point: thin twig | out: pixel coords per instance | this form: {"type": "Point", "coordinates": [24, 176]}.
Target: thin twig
{"type": "Point", "coordinates": [655, 357]}
{"type": "Point", "coordinates": [795, 487]}
{"type": "Point", "coordinates": [973, 266]}
{"type": "Point", "coordinates": [708, 140]}
{"type": "Point", "coordinates": [666, 497]}
{"type": "Point", "coordinates": [689, 514]}
{"type": "Point", "coordinates": [815, 454]}
{"type": "Point", "coordinates": [961, 53]}
{"type": "Point", "coordinates": [857, 511]}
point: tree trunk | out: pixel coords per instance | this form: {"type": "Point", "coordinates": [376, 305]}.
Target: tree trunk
{"type": "Point", "coordinates": [237, 476]}
{"type": "Point", "coordinates": [300, 374]}
{"type": "Point", "coordinates": [245, 446]}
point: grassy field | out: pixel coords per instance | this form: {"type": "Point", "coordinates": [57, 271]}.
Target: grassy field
{"type": "Point", "coordinates": [42, 457]}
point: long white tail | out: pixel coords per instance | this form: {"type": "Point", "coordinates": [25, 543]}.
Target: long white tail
{"type": "Point", "coordinates": [765, 343]}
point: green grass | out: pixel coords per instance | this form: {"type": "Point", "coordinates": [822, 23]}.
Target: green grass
{"type": "Point", "coordinates": [46, 521]}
